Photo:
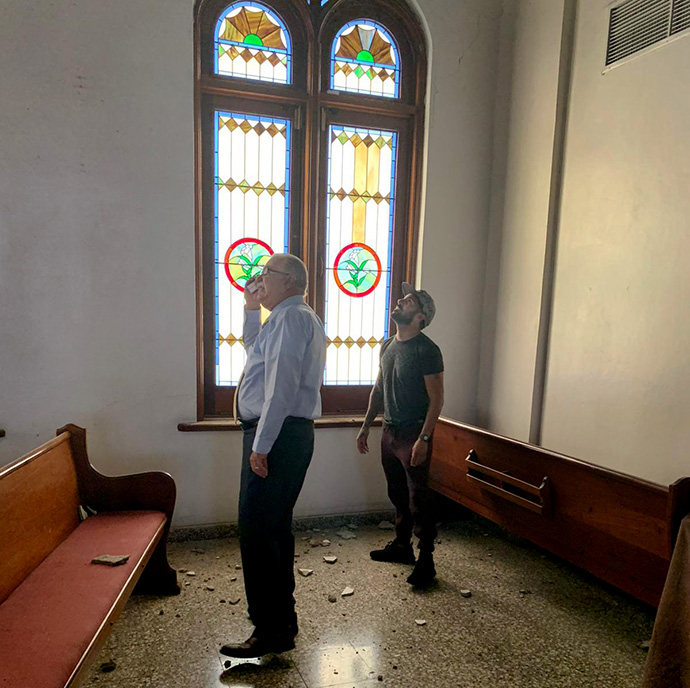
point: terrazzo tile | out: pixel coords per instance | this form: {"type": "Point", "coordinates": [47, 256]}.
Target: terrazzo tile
{"type": "Point", "coordinates": [532, 621]}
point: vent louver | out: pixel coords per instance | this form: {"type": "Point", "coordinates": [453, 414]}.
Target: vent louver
{"type": "Point", "coordinates": [637, 24]}
{"type": "Point", "coordinates": [680, 17]}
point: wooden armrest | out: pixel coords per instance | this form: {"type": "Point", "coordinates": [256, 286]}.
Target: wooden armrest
{"type": "Point", "coordinates": [536, 498]}
{"type": "Point", "coordinates": [140, 491]}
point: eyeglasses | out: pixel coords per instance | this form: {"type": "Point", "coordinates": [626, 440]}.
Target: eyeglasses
{"type": "Point", "coordinates": [268, 271]}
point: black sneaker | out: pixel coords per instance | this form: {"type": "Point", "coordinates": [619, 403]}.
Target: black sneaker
{"type": "Point", "coordinates": [395, 551]}
{"type": "Point", "coordinates": [424, 572]}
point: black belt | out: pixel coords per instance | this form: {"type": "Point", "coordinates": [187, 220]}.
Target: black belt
{"type": "Point", "coordinates": [289, 420]}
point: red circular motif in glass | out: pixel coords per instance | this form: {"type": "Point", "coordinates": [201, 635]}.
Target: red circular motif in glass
{"type": "Point", "coordinates": [351, 273]}
{"type": "Point", "coordinates": [244, 259]}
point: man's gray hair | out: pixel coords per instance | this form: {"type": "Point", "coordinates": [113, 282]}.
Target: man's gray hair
{"type": "Point", "coordinates": [296, 268]}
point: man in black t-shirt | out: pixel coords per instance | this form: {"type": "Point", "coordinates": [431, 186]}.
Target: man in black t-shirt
{"type": "Point", "coordinates": [409, 391]}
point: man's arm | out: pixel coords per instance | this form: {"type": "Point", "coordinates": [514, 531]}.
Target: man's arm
{"type": "Point", "coordinates": [375, 407]}
{"type": "Point", "coordinates": [434, 388]}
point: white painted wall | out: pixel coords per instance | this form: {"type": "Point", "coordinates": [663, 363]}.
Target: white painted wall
{"type": "Point", "coordinates": [525, 121]}
{"type": "Point", "coordinates": [97, 241]}
{"type": "Point", "coordinates": [618, 390]}
{"type": "Point", "coordinates": [618, 375]}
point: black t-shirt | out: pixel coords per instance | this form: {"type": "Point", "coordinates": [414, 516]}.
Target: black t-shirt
{"type": "Point", "coordinates": [401, 377]}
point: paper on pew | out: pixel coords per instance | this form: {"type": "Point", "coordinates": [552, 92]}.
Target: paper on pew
{"type": "Point", "coordinates": [111, 559]}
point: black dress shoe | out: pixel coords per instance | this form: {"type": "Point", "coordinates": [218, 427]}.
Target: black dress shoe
{"type": "Point", "coordinates": [424, 571]}
{"type": "Point", "coordinates": [258, 646]}
{"type": "Point", "coordinates": [396, 552]}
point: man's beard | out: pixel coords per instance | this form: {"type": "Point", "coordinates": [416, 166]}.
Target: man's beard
{"type": "Point", "coordinates": [402, 318]}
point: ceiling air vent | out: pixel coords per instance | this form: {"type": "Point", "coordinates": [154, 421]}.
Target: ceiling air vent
{"type": "Point", "coordinates": [636, 24]}
{"type": "Point", "coordinates": [680, 18]}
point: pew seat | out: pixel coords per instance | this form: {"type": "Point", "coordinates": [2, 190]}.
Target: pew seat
{"type": "Point", "coordinates": [620, 528]}
{"type": "Point", "coordinates": [56, 606]}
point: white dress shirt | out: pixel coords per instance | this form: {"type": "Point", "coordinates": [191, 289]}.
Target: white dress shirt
{"type": "Point", "coordinates": [284, 369]}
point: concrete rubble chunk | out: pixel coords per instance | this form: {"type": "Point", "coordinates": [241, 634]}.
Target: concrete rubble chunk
{"type": "Point", "coordinates": [346, 535]}
{"type": "Point", "coordinates": [420, 622]}
{"type": "Point", "coordinates": [332, 597]}
{"type": "Point", "coordinates": [325, 543]}
{"type": "Point", "coordinates": [466, 593]}
{"type": "Point", "coordinates": [306, 572]}
{"type": "Point", "coordinates": [191, 573]}
{"type": "Point", "coordinates": [111, 559]}
{"type": "Point", "coordinates": [644, 645]}
{"type": "Point", "coordinates": [352, 526]}
{"type": "Point", "coordinates": [233, 579]}
{"type": "Point", "coordinates": [234, 600]}
{"type": "Point", "coordinates": [238, 567]}
{"type": "Point", "coordinates": [386, 525]}
{"type": "Point", "coordinates": [347, 592]}
{"type": "Point", "coordinates": [210, 588]}
{"type": "Point", "coordinates": [330, 559]}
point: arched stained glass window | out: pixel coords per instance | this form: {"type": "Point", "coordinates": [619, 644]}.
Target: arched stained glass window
{"type": "Point", "coordinates": [252, 43]}
{"type": "Point", "coordinates": [294, 155]}
{"type": "Point", "coordinates": [365, 60]}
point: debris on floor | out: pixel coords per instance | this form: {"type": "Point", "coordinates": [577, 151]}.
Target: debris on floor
{"type": "Point", "coordinates": [306, 572]}
{"type": "Point", "coordinates": [420, 622]}
{"type": "Point", "coordinates": [466, 593]}
{"type": "Point", "coordinates": [347, 592]}
{"type": "Point", "coordinates": [346, 535]}
{"type": "Point", "coordinates": [330, 559]}
{"type": "Point", "coordinates": [386, 525]}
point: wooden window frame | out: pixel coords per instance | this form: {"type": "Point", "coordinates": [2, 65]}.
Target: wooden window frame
{"type": "Point", "coordinates": [311, 106]}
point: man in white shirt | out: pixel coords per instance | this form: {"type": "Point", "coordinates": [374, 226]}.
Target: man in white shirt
{"type": "Point", "coordinates": [277, 401]}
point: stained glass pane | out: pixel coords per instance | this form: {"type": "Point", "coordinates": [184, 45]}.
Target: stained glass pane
{"type": "Point", "coordinates": [364, 59]}
{"type": "Point", "coordinates": [252, 43]}
{"type": "Point", "coordinates": [252, 196]}
{"type": "Point", "coordinates": [359, 234]}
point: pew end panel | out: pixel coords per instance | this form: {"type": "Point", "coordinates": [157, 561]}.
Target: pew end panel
{"type": "Point", "coordinates": [153, 490]}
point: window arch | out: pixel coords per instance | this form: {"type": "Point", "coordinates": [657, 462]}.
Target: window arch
{"type": "Point", "coordinates": [309, 121]}
{"type": "Point", "coordinates": [364, 59]}
{"type": "Point", "coordinates": [251, 42]}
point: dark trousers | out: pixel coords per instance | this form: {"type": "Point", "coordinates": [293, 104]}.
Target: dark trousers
{"type": "Point", "coordinates": [408, 486]}
{"type": "Point", "coordinates": [265, 524]}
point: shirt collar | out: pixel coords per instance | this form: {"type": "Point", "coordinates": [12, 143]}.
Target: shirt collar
{"type": "Point", "coordinates": [290, 301]}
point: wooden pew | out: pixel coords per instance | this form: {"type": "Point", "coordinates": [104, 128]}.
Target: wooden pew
{"type": "Point", "coordinates": [620, 528]}
{"type": "Point", "coordinates": [56, 607]}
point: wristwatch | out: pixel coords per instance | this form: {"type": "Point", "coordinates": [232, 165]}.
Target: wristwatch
{"type": "Point", "coordinates": [425, 438]}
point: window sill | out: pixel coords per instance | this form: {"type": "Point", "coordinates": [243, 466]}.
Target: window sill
{"type": "Point", "coordinates": [229, 425]}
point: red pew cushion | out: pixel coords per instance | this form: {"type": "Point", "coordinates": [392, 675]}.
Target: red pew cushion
{"type": "Point", "coordinates": [48, 622]}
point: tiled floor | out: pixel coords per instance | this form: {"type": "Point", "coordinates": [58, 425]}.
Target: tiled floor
{"type": "Point", "coordinates": [531, 620]}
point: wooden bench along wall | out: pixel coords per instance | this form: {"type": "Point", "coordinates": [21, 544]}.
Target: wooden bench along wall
{"type": "Point", "coordinates": [56, 607]}
{"type": "Point", "coordinates": [620, 528]}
